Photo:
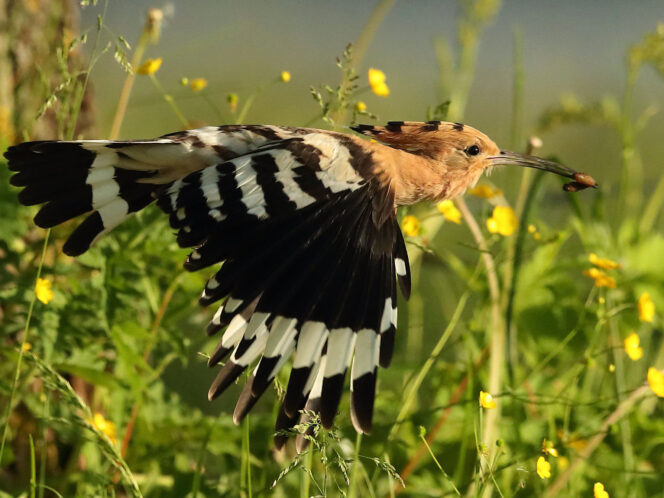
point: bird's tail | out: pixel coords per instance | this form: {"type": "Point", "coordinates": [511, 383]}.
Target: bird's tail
{"type": "Point", "coordinates": [109, 180]}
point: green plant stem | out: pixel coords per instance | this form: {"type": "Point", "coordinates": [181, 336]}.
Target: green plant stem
{"type": "Point", "coordinates": [653, 208]}
{"type": "Point", "coordinates": [247, 454]}
{"type": "Point", "coordinates": [26, 332]}
{"type": "Point", "coordinates": [44, 449]}
{"type": "Point", "coordinates": [415, 386]}
{"type": "Point", "coordinates": [33, 468]}
{"type": "Point", "coordinates": [625, 428]}
{"type": "Point", "coordinates": [356, 467]}
{"type": "Point", "coordinates": [214, 107]}
{"type": "Point", "coordinates": [199, 465]}
{"type": "Point", "coordinates": [171, 102]}
{"type": "Point", "coordinates": [527, 192]}
{"type": "Point", "coordinates": [440, 467]}
{"type": "Point", "coordinates": [497, 358]}
{"type": "Point", "coordinates": [79, 100]}
{"type": "Point", "coordinates": [247, 104]}
{"type": "Point", "coordinates": [627, 198]}
{"type": "Point", "coordinates": [128, 84]}
{"type": "Point", "coordinates": [363, 41]}
{"type": "Point", "coordinates": [305, 482]}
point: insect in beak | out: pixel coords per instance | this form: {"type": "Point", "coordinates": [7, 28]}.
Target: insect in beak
{"type": "Point", "coordinates": [581, 180]}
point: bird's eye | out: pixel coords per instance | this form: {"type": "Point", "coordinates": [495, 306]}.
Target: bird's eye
{"type": "Point", "coordinates": [473, 150]}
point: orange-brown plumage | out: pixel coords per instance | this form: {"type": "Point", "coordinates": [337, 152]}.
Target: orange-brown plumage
{"type": "Point", "coordinates": [429, 161]}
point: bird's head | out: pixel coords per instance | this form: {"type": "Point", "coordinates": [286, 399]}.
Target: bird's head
{"type": "Point", "coordinates": [462, 151]}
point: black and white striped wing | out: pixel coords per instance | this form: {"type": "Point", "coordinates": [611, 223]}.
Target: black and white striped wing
{"type": "Point", "coordinates": [307, 270]}
{"type": "Point", "coordinates": [111, 180]}
{"type": "Point", "coordinates": [310, 246]}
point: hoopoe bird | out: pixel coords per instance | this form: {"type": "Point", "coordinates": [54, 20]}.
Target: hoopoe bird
{"type": "Point", "coordinates": [304, 222]}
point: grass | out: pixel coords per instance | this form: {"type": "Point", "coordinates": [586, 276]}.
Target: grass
{"type": "Point", "coordinates": [103, 387]}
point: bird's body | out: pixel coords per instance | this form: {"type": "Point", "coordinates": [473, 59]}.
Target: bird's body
{"type": "Point", "coordinates": [304, 222]}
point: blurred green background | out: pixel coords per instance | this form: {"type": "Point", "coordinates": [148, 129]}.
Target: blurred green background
{"type": "Point", "coordinates": [559, 358]}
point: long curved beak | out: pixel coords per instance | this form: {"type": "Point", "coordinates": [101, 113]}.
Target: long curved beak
{"type": "Point", "coordinates": [581, 180]}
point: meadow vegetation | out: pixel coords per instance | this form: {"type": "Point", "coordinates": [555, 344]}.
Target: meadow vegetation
{"type": "Point", "coordinates": [528, 358]}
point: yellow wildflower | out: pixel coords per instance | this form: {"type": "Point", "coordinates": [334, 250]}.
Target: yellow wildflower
{"type": "Point", "coordinates": [612, 368]}
{"type": "Point", "coordinates": [285, 76]}
{"type": "Point", "coordinates": [410, 225]}
{"type": "Point", "coordinates": [656, 381]}
{"type": "Point", "coordinates": [184, 81]}
{"type": "Point", "coordinates": [633, 347]}
{"type": "Point", "coordinates": [605, 264]}
{"type": "Point", "coordinates": [599, 491]}
{"type": "Point", "coordinates": [502, 221]}
{"type": "Point", "coordinates": [197, 84]}
{"type": "Point", "coordinates": [487, 401]}
{"type": "Point", "coordinates": [449, 211]}
{"type": "Point", "coordinates": [547, 447]}
{"type": "Point", "coordinates": [601, 279]}
{"type": "Point", "coordinates": [485, 191]}
{"type": "Point", "coordinates": [150, 66]}
{"type": "Point", "coordinates": [646, 308]}
{"type": "Point", "coordinates": [26, 346]}
{"type": "Point", "coordinates": [377, 82]}
{"type": "Point", "coordinates": [360, 106]}
{"type": "Point", "coordinates": [543, 468]}
{"type": "Point", "coordinates": [532, 228]}
{"type": "Point", "coordinates": [104, 426]}
{"type": "Point", "coordinates": [43, 290]}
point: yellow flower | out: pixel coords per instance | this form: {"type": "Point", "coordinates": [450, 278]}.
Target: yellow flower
{"type": "Point", "coordinates": [198, 84]}
{"type": "Point", "coordinates": [601, 278]}
{"type": "Point", "coordinates": [26, 346]}
{"type": "Point", "coordinates": [360, 106]}
{"type": "Point", "coordinates": [487, 401]}
{"type": "Point", "coordinates": [377, 82]}
{"type": "Point", "coordinates": [449, 211]}
{"type": "Point", "coordinates": [485, 191]}
{"type": "Point", "coordinates": [410, 225]}
{"type": "Point", "coordinates": [184, 81]}
{"type": "Point", "coordinates": [632, 346]}
{"type": "Point", "coordinates": [547, 447]}
{"type": "Point", "coordinates": [543, 468]}
{"type": "Point", "coordinates": [532, 228]}
{"type": "Point", "coordinates": [646, 308]}
{"type": "Point", "coordinates": [656, 381]}
{"type": "Point", "coordinates": [150, 66]}
{"type": "Point", "coordinates": [284, 76]}
{"type": "Point", "coordinates": [605, 264]}
{"type": "Point", "coordinates": [104, 426]}
{"type": "Point", "coordinates": [612, 368]}
{"type": "Point", "coordinates": [599, 491]}
{"type": "Point", "coordinates": [43, 290]}
{"type": "Point", "coordinates": [502, 221]}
